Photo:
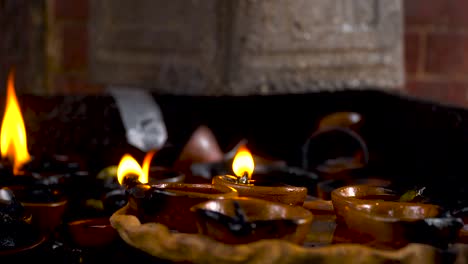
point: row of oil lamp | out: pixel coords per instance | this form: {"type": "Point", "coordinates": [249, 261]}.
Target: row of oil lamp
{"type": "Point", "coordinates": [232, 208]}
{"type": "Point", "coordinates": [41, 196]}
{"type": "Point", "coordinates": [238, 209]}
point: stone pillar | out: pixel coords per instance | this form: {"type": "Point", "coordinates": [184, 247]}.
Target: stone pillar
{"type": "Point", "coordinates": [243, 47]}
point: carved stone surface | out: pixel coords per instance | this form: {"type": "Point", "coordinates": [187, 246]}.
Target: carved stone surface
{"type": "Point", "coordinates": [167, 45]}
{"type": "Point", "coordinates": [240, 47]}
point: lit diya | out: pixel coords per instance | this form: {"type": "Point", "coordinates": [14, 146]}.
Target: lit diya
{"type": "Point", "coordinates": [114, 196]}
{"type": "Point", "coordinates": [93, 228]}
{"type": "Point", "coordinates": [262, 187]}
{"type": "Point", "coordinates": [165, 203]}
{"type": "Point", "coordinates": [47, 169]}
{"type": "Point", "coordinates": [44, 201]}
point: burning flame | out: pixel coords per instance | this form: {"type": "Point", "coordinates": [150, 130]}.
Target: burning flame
{"type": "Point", "coordinates": [128, 165]}
{"type": "Point", "coordinates": [243, 162]}
{"type": "Point", "coordinates": [13, 143]}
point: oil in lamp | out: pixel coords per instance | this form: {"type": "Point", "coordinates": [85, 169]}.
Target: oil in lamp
{"type": "Point", "coordinates": [262, 187]}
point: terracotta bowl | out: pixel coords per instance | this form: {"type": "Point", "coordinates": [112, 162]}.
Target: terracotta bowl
{"type": "Point", "coordinates": [351, 196]}
{"type": "Point", "coordinates": [46, 214]}
{"type": "Point", "coordinates": [93, 232]}
{"type": "Point", "coordinates": [325, 188]}
{"type": "Point", "coordinates": [373, 212]}
{"type": "Point", "coordinates": [263, 189]}
{"type": "Point", "coordinates": [244, 220]}
{"type": "Point", "coordinates": [114, 196]}
{"type": "Point", "coordinates": [387, 223]}
{"type": "Point", "coordinates": [170, 203]}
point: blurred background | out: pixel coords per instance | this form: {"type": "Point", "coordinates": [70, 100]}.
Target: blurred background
{"type": "Point", "coordinates": [78, 46]}
{"type": "Point", "coordinates": [52, 45]}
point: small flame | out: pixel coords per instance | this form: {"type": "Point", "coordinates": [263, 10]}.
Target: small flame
{"type": "Point", "coordinates": [128, 165]}
{"type": "Point", "coordinates": [13, 142]}
{"type": "Point", "coordinates": [243, 162]}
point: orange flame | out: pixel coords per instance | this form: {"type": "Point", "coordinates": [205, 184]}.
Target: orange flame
{"type": "Point", "coordinates": [13, 142]}
{"type": "Point", "coordinates": [128, 165]}
{"type": "Point", "coordinates": [243, 162]}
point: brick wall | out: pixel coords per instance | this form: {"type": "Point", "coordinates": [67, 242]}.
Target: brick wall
{"type": "Point", "coordinates": [436, 42]}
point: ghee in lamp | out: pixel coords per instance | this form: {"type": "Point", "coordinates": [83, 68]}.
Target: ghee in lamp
{"type": "Point", "coordinates": [243, 166]}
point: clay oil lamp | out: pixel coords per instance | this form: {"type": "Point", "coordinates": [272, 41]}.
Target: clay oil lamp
{"type": "Point", "coordinates": [325, 188]}
{"type": "Point", "coordinates": [243, 220]}
{"type": "Point", "coordinates": [153, 174]}
{"type": "Point", "coordinates": [376, 214]}
{"type": "Point", "coordinates": [335, 153]}
{"type": "Point", "coordinates": [47, 205]}
{"type": "Point", "coordinates": [67, 173]}
{"type": "Point", "coordinates": [166, 203]}
{"type": "Point", "coordinates": [48, 169]}
{"type": "Point", "coordinates": [262, 187]}
{"type": "Point", "coordinates": [17, 235]}
{"type": "Point", "coordinates": [58, 178]}
{"type": "Point", "coordinates": [206, 167]}
{"type": "Point", "coordinates": [114, 196]}
{"type": "Point", "coordinates": [44, 201]}
{"type": "Point", "coordinates": [336, 149]}
{"type": "Point", "coordinates": [94, 230]}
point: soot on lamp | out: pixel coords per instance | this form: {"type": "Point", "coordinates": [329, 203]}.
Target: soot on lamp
{"type": "Point", "coordinates": [15, 228]}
